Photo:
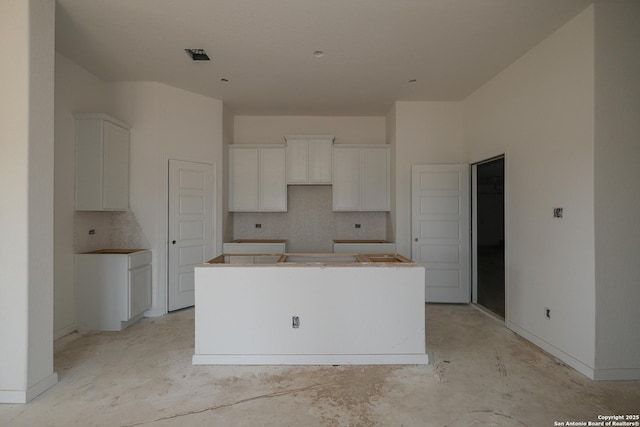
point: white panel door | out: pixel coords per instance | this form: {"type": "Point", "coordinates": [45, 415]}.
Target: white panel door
{"type": "Point", "coordinates": [191, 234]}
{"type": "Point", "coordinates": [440, 230]}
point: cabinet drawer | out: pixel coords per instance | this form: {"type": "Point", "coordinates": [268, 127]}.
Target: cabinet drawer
{"type": "Point", "coordinates": [139, 259]}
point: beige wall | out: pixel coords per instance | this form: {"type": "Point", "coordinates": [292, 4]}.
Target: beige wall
{"type": "Point", "coordinates": [272, 129]}
{"type": "Point", "coordinates": [539, 113]}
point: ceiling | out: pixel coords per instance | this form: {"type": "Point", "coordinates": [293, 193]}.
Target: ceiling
{"type": "Point", "coordinates": [265, 48]}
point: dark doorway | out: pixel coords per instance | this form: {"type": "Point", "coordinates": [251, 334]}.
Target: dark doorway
{"type": "Point", "coordinates": [490, 235]}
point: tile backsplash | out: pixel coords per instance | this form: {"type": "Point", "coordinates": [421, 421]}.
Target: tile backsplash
{"type": "Point", "coordinates": [112, 230]}
{"type": "Point", "coordinates": [309, 224]}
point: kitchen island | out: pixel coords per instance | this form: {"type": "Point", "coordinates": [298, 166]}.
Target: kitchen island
{"type": "Point", "coordinates": [316, 309]}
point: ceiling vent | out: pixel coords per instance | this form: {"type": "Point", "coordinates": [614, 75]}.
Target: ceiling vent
{"type": "Point", "coordinates": [198, 54]}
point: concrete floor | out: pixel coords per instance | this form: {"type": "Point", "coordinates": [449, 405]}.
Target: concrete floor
{"type": "Point", "coordinates": [482, 375]}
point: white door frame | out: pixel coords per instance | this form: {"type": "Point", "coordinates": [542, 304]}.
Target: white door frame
{"type": "Point", "coordinates": [474, 232]}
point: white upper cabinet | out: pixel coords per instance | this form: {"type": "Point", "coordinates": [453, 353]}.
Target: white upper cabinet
{"type": "Point", "coordinates": [361, 178]}
{"type": "Point", "coordinates": [309, 159]}
{"type": "Point", "coordinates": [102, 163]}
{"type": "Point", "coordinates": [257, 178]}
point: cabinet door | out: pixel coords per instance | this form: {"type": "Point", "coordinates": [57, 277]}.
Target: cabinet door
{"type": "Point", "coordinates": [297, 161]}
{"type": "Point", "coordinates": [346, 179]}
{"type": "Point", "coordinates": [243, 182]}
{"type": "Point", "coordinates": [375, 179]}
{"type": "Point", "coordinates": [139, 291]}
{"type": "Point", "coordinates": [320, 161]}
{"type": "Point", "coordinates": [115, 184]}
{"type": "Point", "coordinates": [272, 183]}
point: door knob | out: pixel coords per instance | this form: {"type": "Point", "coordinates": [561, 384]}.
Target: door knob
{"type": "Point", "coordinates": [415, 240]}
{"type": "Point", "coordinates": [174, 242]}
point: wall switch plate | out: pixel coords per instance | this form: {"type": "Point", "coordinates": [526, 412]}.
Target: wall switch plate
{"type": "Point", "coordinates": [558, 212]}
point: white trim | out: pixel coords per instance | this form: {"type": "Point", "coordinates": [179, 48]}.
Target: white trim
{"type": "Point", "coordinates": [155, 312]}
{"type": "Point", "coordinates": [64, 331]}
{"type": "Point", "coordinates": [616, 374]}
{"type": "Point", "coordinates": [474, 233]}
{"type": "Point", "coordinates": [24, 396]}
{"type": "Point", "coordinates": [310, 359]}
{"type": "Point", "coordinates": [576, 364]}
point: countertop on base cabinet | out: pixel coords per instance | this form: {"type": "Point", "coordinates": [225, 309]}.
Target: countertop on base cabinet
{"type": "Point", "coordinates": [113, 288]}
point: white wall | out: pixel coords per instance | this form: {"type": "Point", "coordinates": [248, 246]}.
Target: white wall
{"type": "Point", "coordinates": [390, 130]}
{"type": "Point", "coordinates": [227, 139]}
{"type": "Point", "coordinates": [76, 91]}
{"type": "Point", "coordinates": [617, 199]}
{"type": "Point", "coordinates": [539, 112]}
{"type": "Point", "coordinates": [426, 132]}
{"type": "Point", "coordinates": [272, 129]}
{"type": "Point", "coordinates": [26, 181]}
{"type": "Point", "coordinates": [166, 123]}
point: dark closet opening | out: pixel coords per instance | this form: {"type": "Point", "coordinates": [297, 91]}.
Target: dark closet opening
{"type": "Point", "coordinates": [490, 236]}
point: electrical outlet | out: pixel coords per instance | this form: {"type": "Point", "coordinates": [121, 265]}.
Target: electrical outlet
{"type": "Point", "coordinates": [558, 212]}
{"type": "Point", "coordinates": [547, 313]}
{"type": "Point", "coordinates": [92, 231]}
{"type": "Point", "coordinates": [258, 225]}
{"type": "Point", "coordinates": [358, 226]}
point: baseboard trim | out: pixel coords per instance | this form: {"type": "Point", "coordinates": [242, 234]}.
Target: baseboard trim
{"type": "Point", "coordinates": [631, 374]}
{"type": "Point", "coordinates": [154, 313]}
{"type": "Point", "coordinates": [25, 396]}
{"type": "Point", "coordinates": [64, 331]}
{"type": "Point", "coordinates": [576, 364]}
{"type": "Point", "coordinates": [310, 359]}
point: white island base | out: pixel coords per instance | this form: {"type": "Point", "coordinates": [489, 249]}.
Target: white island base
{"type": "Point", "coordinates": [301, 311]}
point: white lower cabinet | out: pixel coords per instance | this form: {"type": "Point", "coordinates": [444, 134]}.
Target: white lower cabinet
{"type": "Point", "coordinates": [113, 288]}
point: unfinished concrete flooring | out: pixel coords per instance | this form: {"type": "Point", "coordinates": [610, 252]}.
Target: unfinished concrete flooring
{"type": "Point", "coordinates": [481, 375]}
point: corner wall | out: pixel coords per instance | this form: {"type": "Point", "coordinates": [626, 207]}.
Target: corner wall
{"type": "Point", "coordinates": [617, 198]}
{"type": "Point", "coordinates": [26, 182]}
{"type": "Point", "coordinates": [76, 91]}
{"type": "Point", "coordinates": [539, 113]}
{"type": "Point", "coordinates": [166, 123]}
